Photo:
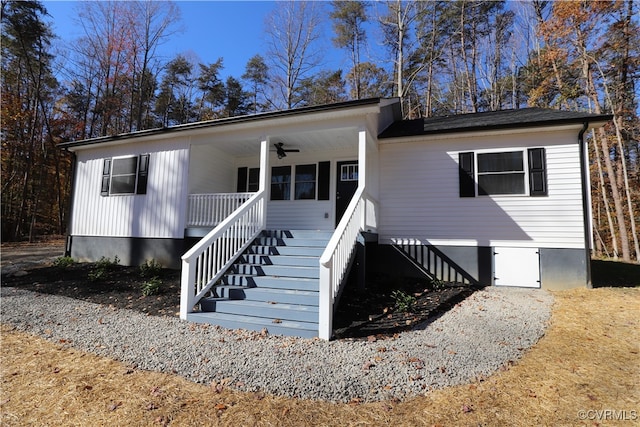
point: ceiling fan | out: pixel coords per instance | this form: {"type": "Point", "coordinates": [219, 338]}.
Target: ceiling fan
{"type": "Point", "coordinates": [282, 152]}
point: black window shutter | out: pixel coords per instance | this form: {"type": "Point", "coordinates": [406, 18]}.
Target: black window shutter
{"type": "Point", "coordinates": [106, 176]}
{"type": "Point", "coordinates": [143, 173]}
{"type": "Point", "coordinates": [466, 175]}
{"type": "Point", "coordinates": [324, 173]}
{"type": "Point", "coordinates": [241, 186]}
{"type": "Point", "coordinates": [537, 172]}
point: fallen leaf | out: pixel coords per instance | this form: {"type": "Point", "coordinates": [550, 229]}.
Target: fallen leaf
{"type": "Point", "coordinates": [220, 407]}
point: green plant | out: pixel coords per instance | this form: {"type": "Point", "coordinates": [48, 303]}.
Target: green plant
{"type": "Point", "coordinates": [152, 286]}
{"type": "Point", "coordinates": [103, 265]}
{"type": "Point", "coordinates": [438, 284]}
{"type": "Point", "coordinates": [403, 301]}
{"type": "Point", "coordinates": [150, 268]}
{"type": "Point", "coordinates": [64, 262]}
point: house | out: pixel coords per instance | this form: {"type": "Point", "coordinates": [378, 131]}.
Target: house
{"type": "Point", "coordinates": [264, 213]}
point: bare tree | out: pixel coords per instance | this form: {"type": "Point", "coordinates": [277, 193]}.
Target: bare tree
{"type": "Point", "coordinates": [293, 51]}
{"type": "Point", "coordinates": [348, 19]}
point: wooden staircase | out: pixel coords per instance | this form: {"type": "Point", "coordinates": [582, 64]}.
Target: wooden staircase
{"type": "Point", "coordinates": [274, 286]}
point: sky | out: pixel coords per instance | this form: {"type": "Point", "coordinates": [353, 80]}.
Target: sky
{"type": "Point", "coordinates": [233, 30]}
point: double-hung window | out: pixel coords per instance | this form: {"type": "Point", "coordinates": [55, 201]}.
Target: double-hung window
{"type": "Point", "coordinates": [301, 182]}
{"type": "Point", "coordinates": [500, 173]}
{"type": "Point", "coordinates": [125, 175]}
{"type": "Point", "coordinates": [281, 183]}
{"type": "Point", "coordinates": [248, 180]}
{"type": "Point", "coordinates": [305, 182]}
{"type": "Point", "coordinates": [515, 172]}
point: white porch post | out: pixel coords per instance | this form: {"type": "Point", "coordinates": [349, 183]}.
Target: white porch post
{"type": "Point", "coordinates": [264, 176]}
{"type": "Point", "coordinates": [362, 168]}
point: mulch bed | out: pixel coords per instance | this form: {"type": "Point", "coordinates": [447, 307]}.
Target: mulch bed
{"type": "Point", "coordinates": [374, 312]}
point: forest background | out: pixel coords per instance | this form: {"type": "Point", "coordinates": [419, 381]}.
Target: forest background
{"type": "Point", "coordinates": [438, 57]}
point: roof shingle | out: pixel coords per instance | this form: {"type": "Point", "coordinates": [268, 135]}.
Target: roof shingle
{"type": "Point", "coordinates": [504, 119]}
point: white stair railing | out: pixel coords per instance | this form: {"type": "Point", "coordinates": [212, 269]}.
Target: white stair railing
{"type": "Point", "coordinates": [205, 263]}
{"type": "Point", "coordinates": [209, 210]}
{"type": "Point", "coordinates": [361, 214]}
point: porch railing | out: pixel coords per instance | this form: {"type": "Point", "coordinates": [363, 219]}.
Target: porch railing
{"type": "Point", "coordinates": [205, 263]}
{"type": "Point", "coordinates": [361, 215]}
{"type": "Point", "coordinates": [209, 210]}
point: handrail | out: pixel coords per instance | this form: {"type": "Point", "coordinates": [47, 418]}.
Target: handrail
{"type": "Point", "coordinates": [336, 258]}
{"type": "Point", "coordinates": [209, 210]}
{"type": "Point", "coordinates": [206, 262]}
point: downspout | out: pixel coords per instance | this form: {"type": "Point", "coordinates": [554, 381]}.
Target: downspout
{"type": "Point", "coordinates": [586, 196]}
{"type": "Point", "coordinates": [74, 168]}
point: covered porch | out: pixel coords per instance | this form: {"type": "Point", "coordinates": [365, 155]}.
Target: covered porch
{"type": "Point", "coordinates": [242, 188]}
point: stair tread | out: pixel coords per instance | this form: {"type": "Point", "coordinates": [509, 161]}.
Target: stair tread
{"type": "Point", "coordinates": [239, 318]}
{"type": "Point", "coordinates": [309, 279]}
{"type": "Point", "coordinates": [277, 305]}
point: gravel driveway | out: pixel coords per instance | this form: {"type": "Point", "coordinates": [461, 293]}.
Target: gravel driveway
{"type": "Point", "coordinates": [487, 331]}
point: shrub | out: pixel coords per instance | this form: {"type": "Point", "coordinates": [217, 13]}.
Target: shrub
{"type": "Point", "coordinates": [403, 301]}
{"type": "Point", "coordinates": [438, 284]}
{"type": "Point", "coordinates": [152, 286]}
{"type": "Point", "coordinates": [150, 268]}
{"type": "Point", "coordinates": [103, 265]}
{"type": "Point", "coordinates": [64, 262]}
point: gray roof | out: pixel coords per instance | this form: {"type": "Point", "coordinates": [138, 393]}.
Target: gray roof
{"type": "Point", "coordinates": [491, 120]}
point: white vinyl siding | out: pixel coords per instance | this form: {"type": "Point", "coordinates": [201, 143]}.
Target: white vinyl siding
{"type": "Point", "coordinates": [211, 171]}
{"type": "Point", "coordinates": [300, 215]}
{"type": "Point", "coordinates": [419, 197]}
{"type": "Point", "coordinates": [157, 214]}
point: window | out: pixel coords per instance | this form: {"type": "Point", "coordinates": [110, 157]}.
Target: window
{"type": "Point", "coordinates": [281, 183]}
{"type": "Point", "coordinates": [305, 182]}
{"type": "Point", "coordinates": [349, 173]}
{"type": "Point", "coordinates": [248, 180]}
{"type": "Point", "coordinates": [503, 173]}
{"type": "Point", "coordinates": [500, 173]}
{"type": "Point", "coordinates": [308, 182]}
{"type": "Point", "coordinates": [125, 175]}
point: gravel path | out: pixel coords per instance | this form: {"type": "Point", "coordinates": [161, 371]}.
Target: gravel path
{"type": "Point", "coordinates": [474, 339]}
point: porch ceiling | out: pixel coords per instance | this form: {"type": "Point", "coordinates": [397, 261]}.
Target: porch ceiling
{"type": "Point", "coordinates": [306, 141]}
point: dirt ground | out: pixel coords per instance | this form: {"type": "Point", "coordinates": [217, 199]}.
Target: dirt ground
{"type": "Point", "coordinates": [30, 253]}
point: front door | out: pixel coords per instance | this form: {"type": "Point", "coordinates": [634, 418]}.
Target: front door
{"type": "Point", "coordinates": [346, 186]}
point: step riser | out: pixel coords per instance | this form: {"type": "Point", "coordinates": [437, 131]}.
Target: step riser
{"type": "Point", "coordinates": [309, 330]}
{"type": "Point", "coordinates": [271, 282]}
{"type": "Point", "coordinates": [273, 241]}
{"type": "Point", "coordinates": [300, 261]}
{"type": "Point", "coordinates": [276, 279]}
{"type": "Point", "coordinates": [277, 270]}
{"type": "Point", "coordinates": [297, 314]}
{"type": "Point", "coordinates": [298, 234]}
{"type": "Point", "coordinates": [285, 250]}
